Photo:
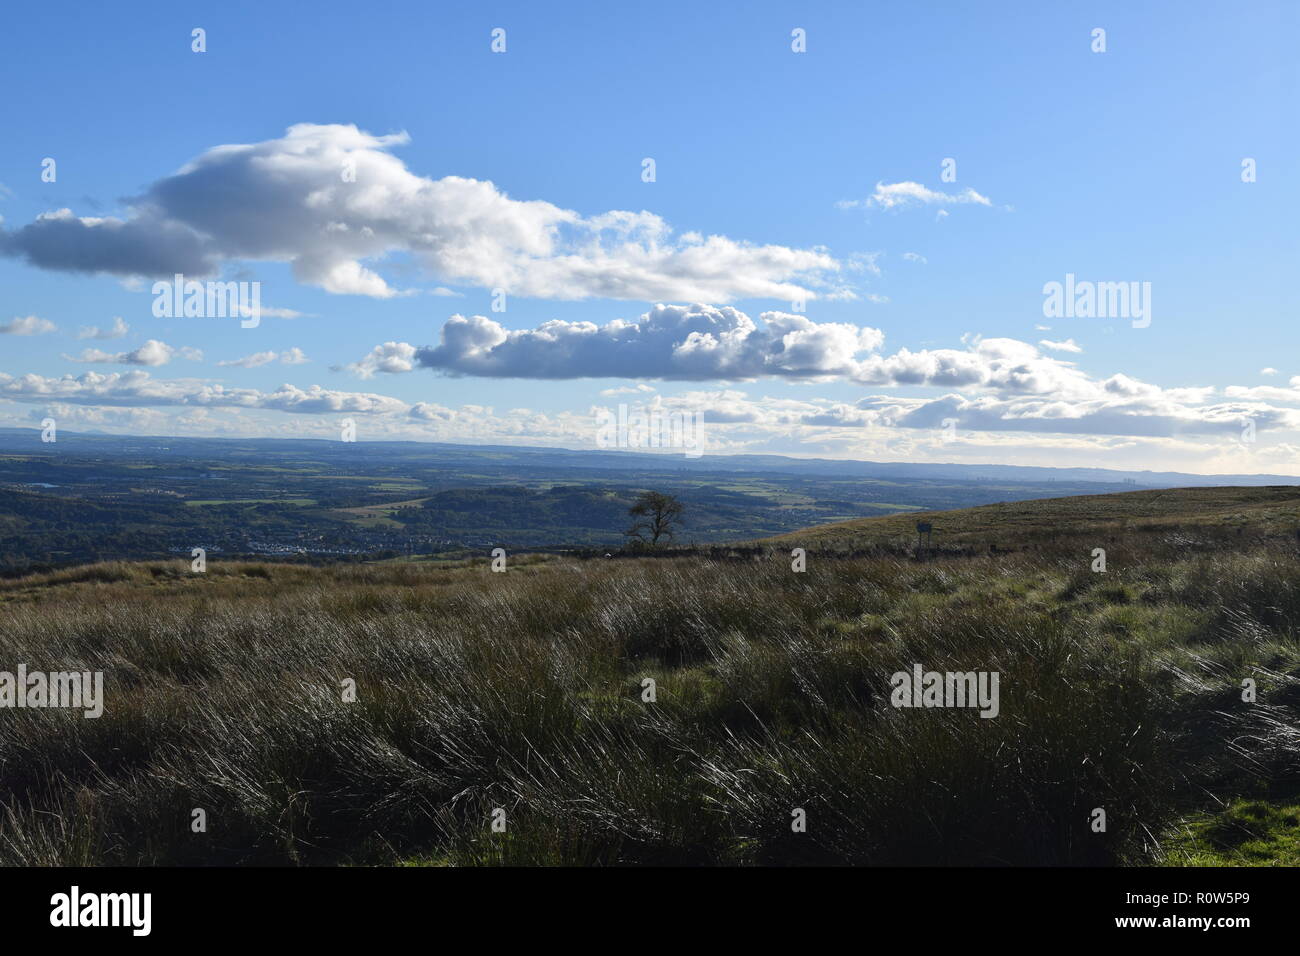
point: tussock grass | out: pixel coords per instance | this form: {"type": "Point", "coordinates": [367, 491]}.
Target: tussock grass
{"type": "Point", "coordinates": [523, 691]}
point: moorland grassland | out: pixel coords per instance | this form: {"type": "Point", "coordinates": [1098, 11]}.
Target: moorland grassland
{"type": "Point", "coordinates": [524, 691]}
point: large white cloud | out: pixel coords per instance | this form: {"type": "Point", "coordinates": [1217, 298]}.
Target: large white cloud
{"type": "Point", "coordinates": [684, 342]}
{"type": "Point", "coordinates": [704, 342]}
{"type": "Point", "coordinates": [333, 201]}
{"type": "Point", "coordinates": [1017, 387]}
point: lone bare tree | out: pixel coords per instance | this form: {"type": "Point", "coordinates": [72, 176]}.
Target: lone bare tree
{"type": "Point", "coordinates": [657, 516]}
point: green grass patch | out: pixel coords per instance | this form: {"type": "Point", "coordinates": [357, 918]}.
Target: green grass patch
{"type": "Point", "coordinates": [1246, 833]}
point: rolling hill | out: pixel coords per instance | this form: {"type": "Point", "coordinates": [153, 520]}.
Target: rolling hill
{"type": "Point", "coordinates": [679, 709]}
{"type": "Point", "coordinates": [1272, 511]}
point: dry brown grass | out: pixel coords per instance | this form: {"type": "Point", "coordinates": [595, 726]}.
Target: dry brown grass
{"type": "Point", "coordinates": [522, 691]}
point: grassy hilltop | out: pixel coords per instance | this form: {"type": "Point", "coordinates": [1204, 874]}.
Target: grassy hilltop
{"type": "Point", "coordinates": [1270, 510]}
{"type": "Point", "coordinates": [523, 691]}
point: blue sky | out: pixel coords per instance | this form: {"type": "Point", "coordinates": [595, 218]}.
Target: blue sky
{"type": "Point", "coordinates": [819, 170]}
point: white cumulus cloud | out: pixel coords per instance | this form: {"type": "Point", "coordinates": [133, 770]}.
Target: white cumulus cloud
{"type": "Point", "coordinates": [334, 201]}
{"type": "Point", "coordinates": [683, 342]}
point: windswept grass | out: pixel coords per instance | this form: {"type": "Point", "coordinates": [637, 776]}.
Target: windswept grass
{"type": "Point", "coordinates": [523, 692]}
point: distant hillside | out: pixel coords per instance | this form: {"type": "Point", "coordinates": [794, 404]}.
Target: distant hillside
{"type": "Point", "coordinates": [93, 498]}
{"type": "Point", "coordinates": [486, 458]}
{"type": "Point", "coordinates": [1270, 511]}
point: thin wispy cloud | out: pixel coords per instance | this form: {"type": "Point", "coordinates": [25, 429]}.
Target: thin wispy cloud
{"type": "Point", "coordinates": [293, 356]}
{"type": "Point", "coordinates": [641, 389]}
{"type": "Point", "coordinates": [117, 330]}
{"type": "Point", "coordinates": [1069, 345]}
{"type": "Point", "coordinates": [139, 388]}
{"type": "Point", "coordinates": [908, 193]}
